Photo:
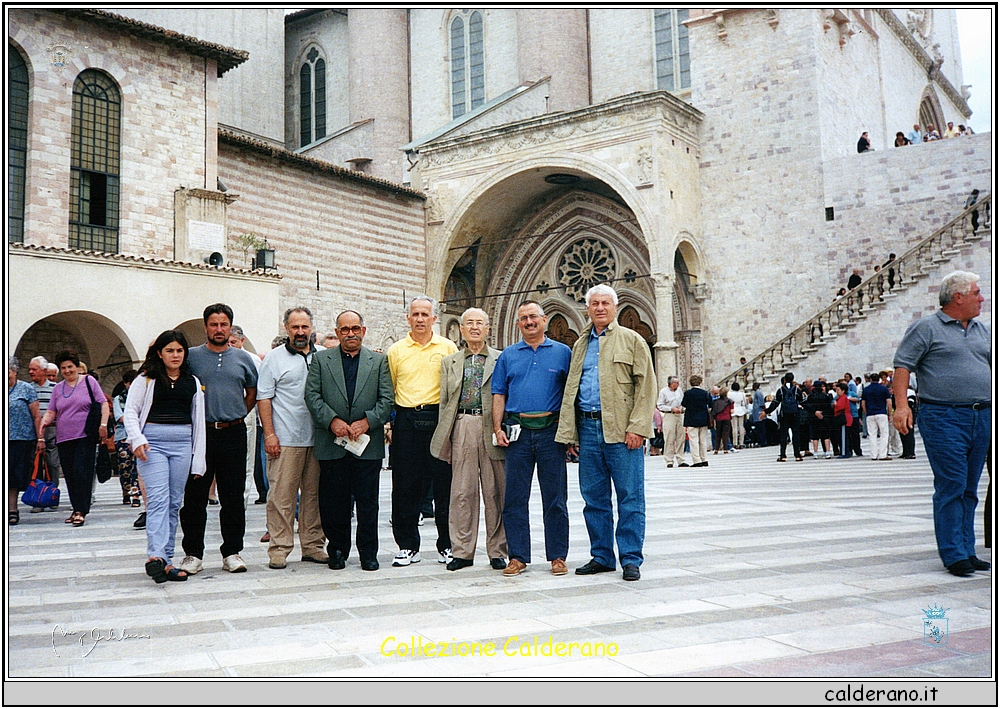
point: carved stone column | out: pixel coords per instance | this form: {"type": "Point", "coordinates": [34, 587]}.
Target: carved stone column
{"type": "Point", "coordinates": [665, 348]}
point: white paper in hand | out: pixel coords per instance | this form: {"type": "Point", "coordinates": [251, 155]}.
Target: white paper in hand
{"type": "Point", "coordinates": [357, 447]}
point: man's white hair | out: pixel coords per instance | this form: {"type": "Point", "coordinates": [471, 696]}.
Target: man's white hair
{"type": "Point", "coordinates": [956, 282]}
{"type": "Point", "coordinates": [434, 305]}
{"type": "Point", "coordinates": [52, 367]}
{"type": "Point", "coordinates": [40, 361]}
{"type": "Point", "coordinates": [475, 311]}
{"type": "Point", "coordinates": [602, 289]}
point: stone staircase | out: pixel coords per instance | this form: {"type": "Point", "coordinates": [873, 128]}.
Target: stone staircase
{"type": "Point", "coordinates": [870, 296]}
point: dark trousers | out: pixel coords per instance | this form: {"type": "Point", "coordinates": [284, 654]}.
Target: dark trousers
{"type": "Point", "coordinates": [413, 469]}
{"type": "Point", "coordinates": [854, 435]}
{"type": "Point", "coordinates": [338, 481]}
{"type": "Point", "coordinates": [531, 449]}
{"type": "Point", "coordinates": [260, 466]}
{"type": "Point", "coordinates": [786, 424]}
{"type": "Point", "coordinates": [226, 460]}
{"type": "Point", "coordinates": [78, 458]}
{"type": "Point", "coordinates": [909, 442]}
{"type": "Point", "coordinates": [722, 433]}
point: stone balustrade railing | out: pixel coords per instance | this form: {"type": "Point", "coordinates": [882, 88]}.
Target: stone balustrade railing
{"type": "Point", "coordinates": [892, 278]}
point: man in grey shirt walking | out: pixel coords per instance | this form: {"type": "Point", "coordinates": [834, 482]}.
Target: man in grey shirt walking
{"type": "Point", "coordinates": [229, 377]}
{"type": "Point", "coordinates": [950, 353]}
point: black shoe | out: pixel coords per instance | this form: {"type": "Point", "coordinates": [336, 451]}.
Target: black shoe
{"type": "Point", "coordinates": [683, 465]}
{"type": "Point", "coordinates": [336, 560]}
{"type": "Point", "coordinates": [978, 564]}
{"type": "Point", "coordinates": [260, 501]}
{"type": "Point", "coordinates": [962, 568]}
{"type": "Point", "coordinates": [369, 565]}
{"type": "Point", "coordinates": [593, 567]}
{"type": "Point", "coordinates": [456, 564]}
{"type": "Point", "coordinates": [140, 522]}
{"type": "Point", "coordinates": [213, 502]}
{"type": "Point", "coordinates": [702, 464]}
{"type": "Point", "coordinates": [630, 572]}
{"type": "Point", "coordinates": [498, 564]}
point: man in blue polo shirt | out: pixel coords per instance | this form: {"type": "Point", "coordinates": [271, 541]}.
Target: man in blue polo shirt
{"type": "Point", "coordinates": [528, 382]}
{"type": "Point", "coordinates": [950, 353]}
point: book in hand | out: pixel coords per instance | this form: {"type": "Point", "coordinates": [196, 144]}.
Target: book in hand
{"type": "Point", "coordinates": [357, 447]}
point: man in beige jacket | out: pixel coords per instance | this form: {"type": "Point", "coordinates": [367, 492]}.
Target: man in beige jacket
{"type": "Point", "coordinates": [608, 407]}
{"type": "Point", "coordinates": [464, 438]}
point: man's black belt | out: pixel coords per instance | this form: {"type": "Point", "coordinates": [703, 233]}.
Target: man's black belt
{"type": "Point", "coordinates": [224, 424]}
{"type": "Point", "coordinates": [422, 407]}
{"type": "Point", "coordinates": [596, 415]}
{"type": "Point", "coordinates": [471, 412]}
{"type": "Point", "coordinates": [977, 406]}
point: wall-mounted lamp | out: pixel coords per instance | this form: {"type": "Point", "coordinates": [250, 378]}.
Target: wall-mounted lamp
{"type": "Point", "coordinates": [265, 259]}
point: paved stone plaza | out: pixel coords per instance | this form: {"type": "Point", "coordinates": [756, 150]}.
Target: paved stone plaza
{"type": "Point", "coordinates": [753, 569]}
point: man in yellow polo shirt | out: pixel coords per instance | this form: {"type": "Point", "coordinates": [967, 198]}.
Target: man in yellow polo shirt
{"type": "Point", "coordinates": [415, 366]}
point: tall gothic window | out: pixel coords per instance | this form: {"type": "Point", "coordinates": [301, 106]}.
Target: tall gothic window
{"type": "Point", "coordinates": [468, 75]}
{"type": "Point", "coordinates": [673, 56]}
{"type": "Point", "coordinates": [95, 163]}
{"type": "Point", "coordinates": [17, 143]}
{"type": "Point", "coordinates": [312, 98]}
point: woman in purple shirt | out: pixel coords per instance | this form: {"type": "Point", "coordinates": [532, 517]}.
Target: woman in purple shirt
{"type": "Point", "coordinates": [68, 408]}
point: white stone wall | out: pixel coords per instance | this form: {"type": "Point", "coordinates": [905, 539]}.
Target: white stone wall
{"type": "Point", "coordinates": [250, 95]}
{"type": "Point", "coordinates": [163, 140]}
{"type": "Point", "coordinates": [430, 67]}
{"type": "Point", "coordinates": [870, 345]}
{"type": "Point", "coordinates": [328, 32]}
{"type": "Point", "coordinates": [622, 52]}
{"type": "Point", "coordinates": [889, 200]}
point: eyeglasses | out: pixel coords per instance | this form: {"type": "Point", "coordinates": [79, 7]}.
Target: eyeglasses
{"type": "Point", "coordinates": [354, 330]}
{"type": "Point", "coordinates": [533, 316]}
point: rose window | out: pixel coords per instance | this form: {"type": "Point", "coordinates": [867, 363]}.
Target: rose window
{"type": "Point", "coordinates": [586, 263]}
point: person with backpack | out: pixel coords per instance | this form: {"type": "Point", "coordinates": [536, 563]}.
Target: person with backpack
{"type": "Point", "coordinates": [788, 400]}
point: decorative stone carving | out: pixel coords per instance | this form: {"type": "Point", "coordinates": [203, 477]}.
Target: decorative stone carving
{"type": "Point", "coordinates": [57, 54]}
{"type": "Point", "coordinates": [644, 165]}
{"type": "Point", "coordinates": [584, 264]}
{"type": "Point", "coordinates": [772, 18]}
{"type": "Point", "coordinates": [699, 291]}
{"type": "Point", "coordinates": [918, 22]}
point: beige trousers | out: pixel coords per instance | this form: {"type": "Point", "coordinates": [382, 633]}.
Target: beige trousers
{"type": "Point", "coordinates": [700, 439]}
{"type": "Point", "coordinates": [293, 470]}
{"type": "Point", "coordinates": [472, 469]}
{"type": "Point", "coordinates": [738, 430]}
{"type": "Point", "coordinates": [673, 438]}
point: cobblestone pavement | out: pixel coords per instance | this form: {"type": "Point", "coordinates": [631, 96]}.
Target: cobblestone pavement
{"type": "Point", "coordinates": [753, 569]}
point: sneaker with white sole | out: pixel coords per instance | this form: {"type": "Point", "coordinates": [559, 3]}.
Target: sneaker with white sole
{"type": "Point", "coordinates": [405, 557]}
{"type": "Point", "coordinates": [191, 565]}
{"type": "Point", "coordinates": [233, 564]}
{"type": "Point", "coordinates": [444, 557]}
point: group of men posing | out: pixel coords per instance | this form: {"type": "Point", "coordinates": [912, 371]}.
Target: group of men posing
{"type": "Point", "coordinates": [467, 423]}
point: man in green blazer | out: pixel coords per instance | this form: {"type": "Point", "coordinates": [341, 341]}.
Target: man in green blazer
{"type": "Point", "coordinates": [607, 408]}
{"type": "Point", "coordinates": [349, 394]}
{"type": "Point", "coordinates": [464, 438]}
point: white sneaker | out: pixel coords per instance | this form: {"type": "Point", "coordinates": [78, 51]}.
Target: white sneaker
{"type": "Point", "coordinates": [405, 557]}
{"type": "Point", "coordinates": [191, 565]}
{"type": "Point", "coordinates": [444, 557]}
{"type": "Point", "coordinates": [233, 564]}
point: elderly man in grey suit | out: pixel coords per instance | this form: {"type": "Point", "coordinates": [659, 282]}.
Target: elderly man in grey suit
{"type": "Point", "coordinates": [464, 437]}
{"type": "Point", "coordinates": [349, 394]}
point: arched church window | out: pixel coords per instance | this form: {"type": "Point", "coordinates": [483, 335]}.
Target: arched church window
{"type": "Point", "coordinates": [17, 143]}
{"type": "Point", "coordinates": [560, 331]}
{"type": "Point", "coordinates": [312, 98]}
{"type": "Point", "coordinates": [95, 163]}
{"type": "Point", "coordinates": [673, 54]}
{"type": "Point", "coordinates": [468, 67]}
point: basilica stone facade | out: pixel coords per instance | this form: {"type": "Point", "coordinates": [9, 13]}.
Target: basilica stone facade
{"type": "Point", "coordinates": [702, 161]}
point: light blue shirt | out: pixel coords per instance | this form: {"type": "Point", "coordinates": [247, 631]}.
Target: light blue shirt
{"type": "Point", "coordinates": [852, 393]}
{"type": "Point", "coordinates": [914, 136]}
{"type": "Point", "coordinates": [589, 398]}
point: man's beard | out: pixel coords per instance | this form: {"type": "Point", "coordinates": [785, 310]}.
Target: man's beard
{"type": "Point", "coordinates": [300, 343]}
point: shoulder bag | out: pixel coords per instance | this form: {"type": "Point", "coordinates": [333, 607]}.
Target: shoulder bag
{"type": "Point", "coordinates": [41, 492]}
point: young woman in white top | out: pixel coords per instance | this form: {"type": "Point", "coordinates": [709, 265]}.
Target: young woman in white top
{"type": "Point", "coordinates": [165, 423]}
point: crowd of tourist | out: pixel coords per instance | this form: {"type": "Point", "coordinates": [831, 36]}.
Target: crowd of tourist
{"type": "Point", "coordinates": [916, 136]}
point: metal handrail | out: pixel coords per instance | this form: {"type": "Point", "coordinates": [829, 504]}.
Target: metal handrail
{"type": "Point", "coordinates": [894, 276]}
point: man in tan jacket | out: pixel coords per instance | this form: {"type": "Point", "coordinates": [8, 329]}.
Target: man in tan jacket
{"type": "Point", "coordinates": [464, 438]}
{"type": "Point", "coordinates": [608, 407]}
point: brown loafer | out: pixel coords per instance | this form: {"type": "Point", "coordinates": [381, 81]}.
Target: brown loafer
{"type": "Point", "coordinates": [559, 567]}
{"type": "Point", "coordinates": [514, 567]}
{"type": "Point", "coordinates": [266, 538]}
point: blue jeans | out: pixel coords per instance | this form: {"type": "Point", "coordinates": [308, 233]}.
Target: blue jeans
{"type": "Point", "coordinates": [536, 447]}
{"type": "Point", "coordinates": [601, 464]}
{"type": "Point", "coordinates": [164, 473]}
{"type": "Point", "coordinates": [956, 441]}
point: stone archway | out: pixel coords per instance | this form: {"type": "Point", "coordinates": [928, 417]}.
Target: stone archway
{"type": "Point", "coordinates": [98, 342]}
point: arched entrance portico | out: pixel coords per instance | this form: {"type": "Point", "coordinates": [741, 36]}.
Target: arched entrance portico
{"type": "Point", "coordinates": [98, 341]}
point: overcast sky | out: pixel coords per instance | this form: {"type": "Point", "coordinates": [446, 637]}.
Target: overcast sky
{"type": "Point", "coordinates": [974, 35]}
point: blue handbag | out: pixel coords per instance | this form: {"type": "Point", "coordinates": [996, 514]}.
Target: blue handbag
{"type": "Point", "coordinates": [41, 493]}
